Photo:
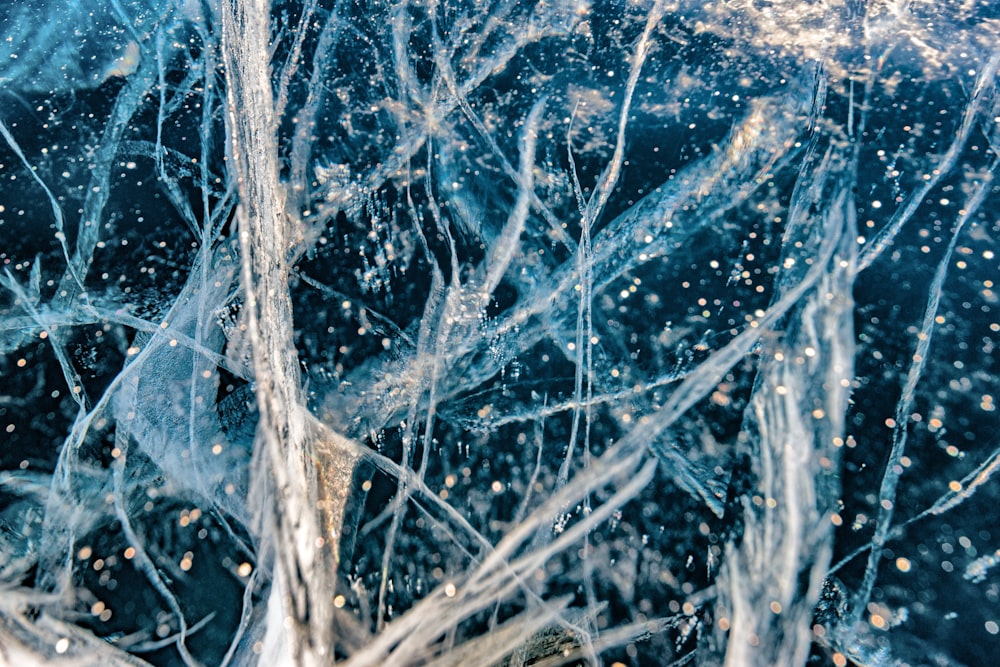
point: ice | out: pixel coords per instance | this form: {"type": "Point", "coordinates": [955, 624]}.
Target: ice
{"type": "Point", "coordinates": [498, 333]}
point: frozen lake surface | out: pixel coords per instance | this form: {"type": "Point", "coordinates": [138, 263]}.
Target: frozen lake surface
{"type": "Point", "coordinates": [472, 332]}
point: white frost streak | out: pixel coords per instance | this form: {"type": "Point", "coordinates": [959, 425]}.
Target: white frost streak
{"type": "Point", "coordinates": [285, 445]}
{"type": "Point", "coordinates": [795, 412]}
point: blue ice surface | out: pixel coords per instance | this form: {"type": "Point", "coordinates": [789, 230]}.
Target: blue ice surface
{"type": "Point", "coordinates": [628, 333]}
